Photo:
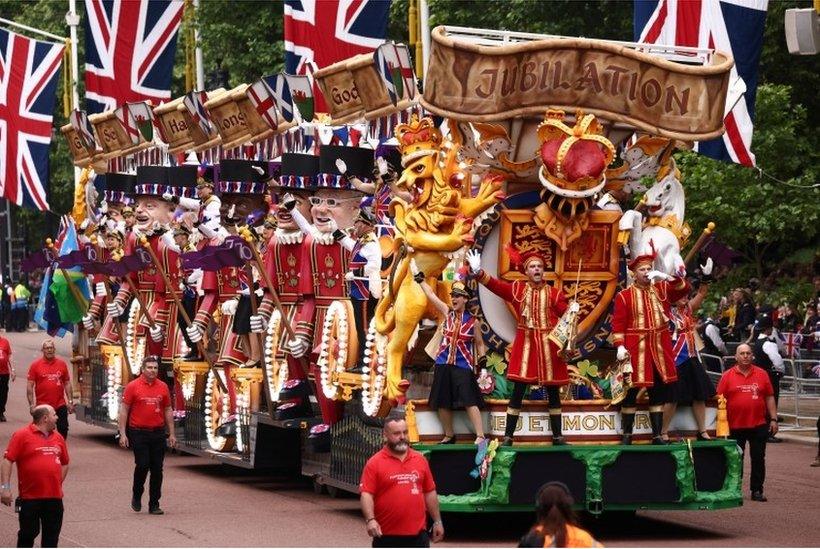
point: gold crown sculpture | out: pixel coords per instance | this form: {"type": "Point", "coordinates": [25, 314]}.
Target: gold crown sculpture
{"type": "Point", "coordinates": [574, 158]}
{"type": "Point", "coordinates": [418, 138]}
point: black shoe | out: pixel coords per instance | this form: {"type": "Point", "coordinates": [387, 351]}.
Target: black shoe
{"type": "Point", "coordinates": [658, 441]}
{"type": "Point", "coordinates": [136, 505]}
{"type": "Point", "coordinates": [507, 441]}
{"type": "Point", "coordinates": [758, 496]}
{"type": "Point", "coordinates": [559, 441]}
{"type": "Point", "coordinates": [193, 357]}
{"type": "Point", "coordinates": [626, 440]}
{"type": "Point", "coordinates": [155, 511]}
{"type": "Point", "coordinates": [774, 439]}
{"type": "Point", "coordinates": [448, 440]}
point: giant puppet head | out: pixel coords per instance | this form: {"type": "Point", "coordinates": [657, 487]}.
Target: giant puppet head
{"type": "Point", "coordinates": [298, 178]}
{"type": "Point", "coordinates": [242, 184]}
{"type": "Point", "coordinates": [336, 201]}
{"type": "Point", "coordinates": [150, 209]}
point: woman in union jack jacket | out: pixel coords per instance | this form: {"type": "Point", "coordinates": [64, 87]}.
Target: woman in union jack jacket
{"type": "Point", "coordinates": [454, 381]}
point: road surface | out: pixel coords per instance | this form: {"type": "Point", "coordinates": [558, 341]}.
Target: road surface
{"type": "Point", "coordinates": [207, 504]}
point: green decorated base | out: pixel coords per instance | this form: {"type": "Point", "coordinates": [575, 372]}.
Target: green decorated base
{"type": "Point", "coordinates": [696, 475]}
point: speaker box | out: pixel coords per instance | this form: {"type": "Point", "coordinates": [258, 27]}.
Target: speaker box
{"type": "Point", "coordinates": [531, 470]}
{"type": "Point", "coordinates": [802, 31]}
{"type": "Point", "coordinates": [641, 477]}
{"type": "Point", "coordinates": [451, 469]}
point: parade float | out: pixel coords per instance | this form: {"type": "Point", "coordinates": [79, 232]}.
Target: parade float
{"type": "Point", "coordinates": [520, 143]}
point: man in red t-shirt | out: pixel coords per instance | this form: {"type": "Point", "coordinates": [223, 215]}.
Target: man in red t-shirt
{"type": "Point", "coordinates": [145, 412]}
{"type": "Point", "coordinates": [397, 493]}
{"type": "Point", "coordinates": [42, 465]}
{"type": "Point", "coordinates": [50, 383]}
{"type": "Point", "coordinates": [6, 374]}
{"type": "Point", "coordinates": [751, 411]}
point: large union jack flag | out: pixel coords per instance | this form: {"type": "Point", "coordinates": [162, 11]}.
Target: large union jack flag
{"type": "Point", "coordinates": [731, 26]}
{"type": "Point", "coordinates": [29, 72]}
{"type": "Point", "coordinates": [322, 32]}
{"type": "Point", "coordinates": [129, 51]}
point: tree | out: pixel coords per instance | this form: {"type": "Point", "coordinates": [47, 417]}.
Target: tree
{"type": "Point", "coordinates": [761, 218]}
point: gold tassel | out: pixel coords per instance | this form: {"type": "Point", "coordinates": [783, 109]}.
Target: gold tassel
{"type": "Point", "coordinates": [68, 83]}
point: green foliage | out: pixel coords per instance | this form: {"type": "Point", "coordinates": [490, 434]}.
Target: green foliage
{"type": "Point", "coordinates": [763, 219]}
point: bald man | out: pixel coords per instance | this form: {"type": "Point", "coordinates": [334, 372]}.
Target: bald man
{"type": "Point", "coordinates": [751, 411]}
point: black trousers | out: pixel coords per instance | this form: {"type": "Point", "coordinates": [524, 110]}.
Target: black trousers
{"type": "Point", "coordinates": [189, 304]}
{"type": "Point", "coordinates": [756, 437]}
{"type": "Point", "coordinates": [37, 515]}
{"type": "Point", "coordinates": [363, 311]}
{"type": "Point", "coordinates": [149, 453]}
{"type": "Point", "coordinates": [419, 540]}
{"type": "Point", "coordinates": [4, 392]}
{"type": "Point", "coordinates": [774, 377]}
{"type": "Point", "coordinates": [62, 420]}
{"type": "Point", "coordinates": [517, 397]}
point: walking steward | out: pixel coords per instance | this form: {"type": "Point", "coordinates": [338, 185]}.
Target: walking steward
{"type": "Point", "coordinates": [50, 383]}
{"type": "Point", "coordinates": [749, 400]}
{"type": "Point", "coordinates": [398, 492]}
{"type": "Point", "coordinates": [42, 465]}
{"type": "Point", "coordinates": [145, 413]}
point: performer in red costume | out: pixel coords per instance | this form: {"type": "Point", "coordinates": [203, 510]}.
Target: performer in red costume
{"type": "Point", "coordinates": [288, 266]}
{"type": "Point", "coordinates": [640, 330]}
{"type": "Point", "coordinates": [534, 359]}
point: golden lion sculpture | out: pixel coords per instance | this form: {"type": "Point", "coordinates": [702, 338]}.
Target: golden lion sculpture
{"type": "Point", "coordinates": [436, 224]}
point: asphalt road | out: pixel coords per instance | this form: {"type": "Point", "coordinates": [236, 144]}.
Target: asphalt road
{"type": "Point", "coordinates": [215, 505]}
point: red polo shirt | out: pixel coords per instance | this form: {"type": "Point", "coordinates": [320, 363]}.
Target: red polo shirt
{"type": "Point", "coordinates": [745, 396]}
{"type": "Point", "coordinates": [147, 403]}
{"type": "Point", "coordinates": [398, 489]}
{"type": "Point", "coordinates": [40, 461]}
{"type": "Point", "coordinates": [5, 356]}
{"type": "Point", "coordinates": [49, 377]}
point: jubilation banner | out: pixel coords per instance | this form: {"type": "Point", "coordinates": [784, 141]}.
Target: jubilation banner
{"type": "Point", "coordinates": [466, 81]}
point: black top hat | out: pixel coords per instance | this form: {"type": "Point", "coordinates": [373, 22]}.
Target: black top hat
{"type": "Point", "coordinates": [117, 186]}
{"type": "Point", "coordinates": [298, 172]}
{"type": "Point", "coordinates": [243, 176]}
{"type": "Point", "coordinates": [152, 181]}
{"type": "Point", "coordinates": [183, 180]}
{"type": "Point", "coordinates": [359, 161]}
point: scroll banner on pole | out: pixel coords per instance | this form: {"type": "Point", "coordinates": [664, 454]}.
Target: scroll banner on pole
{"type": "Point", "coordinates": [466, 81]}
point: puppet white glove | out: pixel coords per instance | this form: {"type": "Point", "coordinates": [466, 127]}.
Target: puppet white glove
{"type": "Point", "coordinates": [349, 276]}
{"type": "Point", "coordinates": [194, 333]}
{"type": "Point", "coordinates": [707, 269]}
{"type": "Point", "coordinates": [258, 324]}
{"type": "Point", "coordinates": [574, 307]}
{"type": "Point", "coordinates": [622, 353]}
{"type": "Point", "coordinates": [114, 309]}
{"type": "Point", "coordinates": [341, 166]}
{"type": "Point", "coordinates": [656, 276]}
{"type": "Point", "coordinates": [229, 307]}
{"type": "Point", "coordinates": [474, 260]}
{"type": "Point", "coordinates": [298, 346]}
{"type": "Point", "coordinates": [99, 288]}
{"type": "Point", "coordinates": [381, 163]}
{"type": "Point", "coordinates": [156, 333]}
{"type": "Point", "coordinates": [374, 284]}
{"type": "Point", "coordinates": [88, 322]}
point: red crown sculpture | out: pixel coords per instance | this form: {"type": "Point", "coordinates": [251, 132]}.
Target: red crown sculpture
{"type": "Point", "coordinates": [417, 138]}
{"type": "Point", "coordinates": [574, 158]}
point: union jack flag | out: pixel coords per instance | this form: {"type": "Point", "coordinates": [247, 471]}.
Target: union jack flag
{"type": "Point", "coordinates": [326, 31]}
{"type": "Point", "coordinates": [732, 26]}
{"type": "Point", "coordinates": [791, 342]}
{"type": "Point", "coordinates": [195, 104]}
{"type": "Point", "coordinates": [29, 72]}
{"type": "Point", "coordinates": [457, 340]}
{"type": "Point", "coordinates": [129, 51]}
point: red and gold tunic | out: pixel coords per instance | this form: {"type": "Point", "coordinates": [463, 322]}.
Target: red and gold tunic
{"type": "Point", "coordinates": [219, 287]}
{"type": "Point", "coordinates": [640, 322]}
{"type": "Point", "coordinates": [534, 358]}
{"type": "Point", "coordinates": [286, 261]}
{"type": "Point", "coordinates": [329, 264]}
{"type": "Point", "coordinates": [157, 296]}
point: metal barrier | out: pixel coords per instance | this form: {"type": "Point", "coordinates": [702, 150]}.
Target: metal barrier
{"type": "Point", "coordinates": [799, 392]}
{"type": "Point", "coordinates": [194, 426]}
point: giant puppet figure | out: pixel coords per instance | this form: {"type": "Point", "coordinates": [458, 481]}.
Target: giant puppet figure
{"type": "Point", "coordinates": [640, 330]}
{"type": "Point", "coordinates": [242, 186]}
{"type": "Point", "coordinates": [288, 266]}
{"type": "Point", "coordinates": [534, 359]}
{"type": "Point", "coordinates": [153, 214]}
{"type": "Point", "coordinates": [334, 207]}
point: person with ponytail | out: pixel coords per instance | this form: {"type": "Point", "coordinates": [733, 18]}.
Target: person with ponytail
{"type": "Point", "coordinates": [555, 522]}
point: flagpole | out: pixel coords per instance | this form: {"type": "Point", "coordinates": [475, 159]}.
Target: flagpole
{"type": "Point", "coordinates": [200, 67]}
{"type": "Point", "coordinates": [73, 20]}
{"type": "Point", "coordinates": [31, 29]}
{"type": "Point", "coordinates": [424, 24]}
